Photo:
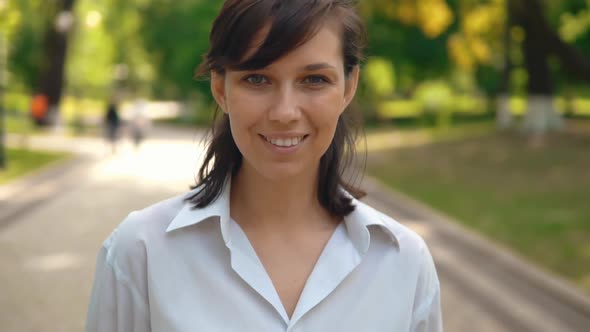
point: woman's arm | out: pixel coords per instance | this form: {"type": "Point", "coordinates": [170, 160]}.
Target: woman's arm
{"type": "Point", "coordinates": [427, 316]}
{"type": "Point", "coordinates": [116, 304]}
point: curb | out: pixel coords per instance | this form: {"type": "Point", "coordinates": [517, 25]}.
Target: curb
{"type": "Point", "coordinates": [552, 284]}
{"type": "Point", "coordinates": [22, 195]}
{"type": "Point", "coordinates": [28, 180]}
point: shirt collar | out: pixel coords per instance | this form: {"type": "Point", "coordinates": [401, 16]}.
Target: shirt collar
{"type": "Point", "coordinates": [218, 209]}
{"type": "Point", "coordinates": [357, 222]}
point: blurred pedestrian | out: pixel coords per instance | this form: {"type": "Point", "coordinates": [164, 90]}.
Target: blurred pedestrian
{"type": "Point", "coordinates": [112, 124]}
{"type": "Point", "coordinates": [139, 122]}
{"type": "Point", "coordinates": [272, 237]}
{"type": "Point", "coordinates": [39, 108]}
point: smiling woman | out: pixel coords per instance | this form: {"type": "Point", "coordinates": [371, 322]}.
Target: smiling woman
{"type": "Point", "coordinates": [296, 99]}
{"type": "Point", "coordinates": [266, 65]}
{"type": "Point", "coordinates": [272, 236]}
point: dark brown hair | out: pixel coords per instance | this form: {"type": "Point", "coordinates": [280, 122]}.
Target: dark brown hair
{"type": "Point", "coordinates": [292, 23]}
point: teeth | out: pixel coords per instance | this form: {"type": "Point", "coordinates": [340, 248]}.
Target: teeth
{"type": "Point", "coordinates": [285, 142]}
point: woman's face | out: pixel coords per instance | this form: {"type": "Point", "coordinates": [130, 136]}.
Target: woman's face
{"type": "Point", "coordinates": [283, 117]}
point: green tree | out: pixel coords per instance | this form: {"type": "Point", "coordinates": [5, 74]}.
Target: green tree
{"type": "Point", "coordinates": [175, 34]}
{"type": "Point", "coordinates": [412, 35]}
{"type": "Point", "coordinates": [495, 41]}
{"type": "Point", "coordinates": [50, 80]}
{"type": "Point", "coordinates": [108, 51]}
{"type": "Point", "coordinates": [25, 40]}
{"type": "Point", "coordinates": [542, 43]}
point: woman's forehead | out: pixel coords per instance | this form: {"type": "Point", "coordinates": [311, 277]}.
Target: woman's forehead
{"type": "Point", "coordinates": [323, 42]}
{"type": "Point", "coordinates": [257, 41]}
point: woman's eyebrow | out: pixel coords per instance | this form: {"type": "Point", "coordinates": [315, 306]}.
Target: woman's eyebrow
{"type": "Point", "coordinates": [317, 66]}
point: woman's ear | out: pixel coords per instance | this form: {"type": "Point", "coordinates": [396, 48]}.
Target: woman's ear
{"type": "Point", "coordinates": [218, 89]}
{"type": "Point", "coordinates": [350, 85]}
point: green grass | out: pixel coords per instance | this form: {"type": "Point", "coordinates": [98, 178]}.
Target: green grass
{"type": "Point", "coordinates": [534, 200]}
{"type": "Point", "coordinates": [474, 105]}
{"type": "Point", "coordinates": [193, 122]}
{"type": "Point", "coordinates": [21, 162]}
{"type": "Point", "coordinates": [410, 134]}
{"type": "Point", "coordinates": [18, 125]}
{"type": "Point", "coordinates": [23, 125]}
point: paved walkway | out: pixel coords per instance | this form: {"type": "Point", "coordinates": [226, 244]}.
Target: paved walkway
{"type": "Point", "coordinates": [51, 227]}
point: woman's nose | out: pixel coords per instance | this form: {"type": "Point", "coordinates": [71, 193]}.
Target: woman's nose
{"type": "Point", "coordinates": [285, 107]}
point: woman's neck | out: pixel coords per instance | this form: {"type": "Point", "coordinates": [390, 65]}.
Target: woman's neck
{"type": "Point", "coordinates": [287, 204]}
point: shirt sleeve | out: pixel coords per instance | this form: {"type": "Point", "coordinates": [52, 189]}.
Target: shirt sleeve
{"type": "Point", "coordinates": [115, 305]}
{"type": "Point", "coordinates": [427, 315]}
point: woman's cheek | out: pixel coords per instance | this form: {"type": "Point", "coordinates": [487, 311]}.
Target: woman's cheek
{"type": "Point", "coordinates": [328, 108]}
{"type": "Point", "coordinates": [246, 105]}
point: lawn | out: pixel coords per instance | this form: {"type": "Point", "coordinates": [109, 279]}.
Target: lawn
{"type": "Point", "coordinates": [535, 200]}
{"type": "Point", "coordinates": [21, 162]}
{"type": "Point", "coordinates": [18, 125]}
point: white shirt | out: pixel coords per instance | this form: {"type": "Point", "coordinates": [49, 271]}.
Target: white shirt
{"type": "Point", "coordinates": [171, 268]}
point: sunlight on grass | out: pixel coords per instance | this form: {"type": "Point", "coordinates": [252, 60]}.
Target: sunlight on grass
{"type": "Point", "coordinates": [72, 107]}
{"type": "Point", "coordinates": [413, 108]}
{"type": "Point", "coordinates": [518, 105]}
{"type": "Point", "coordinates": [386, 138]}
{"type": "Point", "coordinates": [470, 104]}
{"type": "Point", "coordinates": [534, 200]}
{"type": "Point", "coordinates": [399, 109]}
{"type": "Point", "coordinates": [18, 125]}
{"type": "Point", "coordinates": [581, 106]}
{"type": "Point", "coordinates": [17, 102]}
{"type": "Point", "coordinates": [21, 162]}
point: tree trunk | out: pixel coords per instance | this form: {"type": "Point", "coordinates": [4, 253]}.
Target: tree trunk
{"type": "Point", "coordinates": [541, 115]}
{"type": "Point", "coordinates": [51, 76]}
{"type": "Point", "coordinates": [504, 116]}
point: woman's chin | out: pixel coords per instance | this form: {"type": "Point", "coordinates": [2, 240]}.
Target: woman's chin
{"type": "Point", "coordinates": [281, 172]}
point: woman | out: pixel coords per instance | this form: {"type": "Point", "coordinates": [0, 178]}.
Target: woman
{"type": "Point", "coordinates": [271, 238]}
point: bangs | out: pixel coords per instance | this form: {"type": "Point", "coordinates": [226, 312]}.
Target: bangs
{"type": "Point", "coordinates": [289, 24]}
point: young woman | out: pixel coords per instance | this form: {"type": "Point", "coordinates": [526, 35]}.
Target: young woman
{"type": "Point", "coordinates": [271, 238]}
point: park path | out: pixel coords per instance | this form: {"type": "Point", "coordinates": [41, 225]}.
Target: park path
{"type": "Point", "coordinates": [52, 224]}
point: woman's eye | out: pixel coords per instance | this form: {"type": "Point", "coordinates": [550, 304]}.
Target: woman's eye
{"type": "Point", "coordinates": [315, 80]}
{"type": "Point", "coordinates": [256, 79]}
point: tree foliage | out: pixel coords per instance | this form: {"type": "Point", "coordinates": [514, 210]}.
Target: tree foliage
{"type": "Point", "coordinates": [176, 37]}
{"type": "Point", "coordinates": [159, 43]}
{"type": "Point", "coordinates": [25, 37]}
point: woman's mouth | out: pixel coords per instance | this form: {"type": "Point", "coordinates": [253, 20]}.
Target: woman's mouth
{"type": "Point", "coordinates": [285, 142]}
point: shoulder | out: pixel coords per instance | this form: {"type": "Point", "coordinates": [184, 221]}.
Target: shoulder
{"type": "Point", "coordinates": [412, 251]}
{"type": "Point", "coordinates": [127, 244]}
{"type": "Point", "coordinates": [404, 238]}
